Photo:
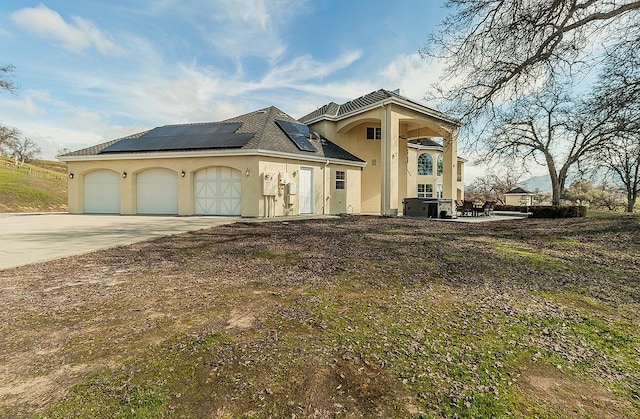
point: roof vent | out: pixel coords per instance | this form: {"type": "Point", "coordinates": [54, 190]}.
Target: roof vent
{"type": "Point", "coordinates": [397, 91]}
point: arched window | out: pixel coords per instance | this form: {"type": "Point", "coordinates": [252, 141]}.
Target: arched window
{"type": "Point", "coordinates": [440, 165]}
{"type": "Point", "coordinates": [425, 164]}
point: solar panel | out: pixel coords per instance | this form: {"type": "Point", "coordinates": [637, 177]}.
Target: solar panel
{"type": "Point", "coordinates": [184, 137]}
{"type": "Point", "coordinates": [298, 133]}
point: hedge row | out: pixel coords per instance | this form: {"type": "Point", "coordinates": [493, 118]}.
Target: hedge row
{"type": "Point", "coordinates": [553, 211]}
{"type": "Point", "coordinates": [516, 208]}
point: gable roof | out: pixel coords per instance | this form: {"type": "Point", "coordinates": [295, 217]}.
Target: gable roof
{"type": "Point", "coordinates": [518, 190]}
{"type": "Point", "coordinates": [254, 132]}
{"type": "Point", "coordinates": [334, 112]}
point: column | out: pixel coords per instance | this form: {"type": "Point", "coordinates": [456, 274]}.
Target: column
{"type": "Point", "coordinates": [450, 162]}
{"type": "Point", "coordinates": [390, 158]}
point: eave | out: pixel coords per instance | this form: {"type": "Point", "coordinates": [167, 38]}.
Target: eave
{"type": "Point", "coordinates": [398, 101]}
{"type": "Point", "coordinates": [208, 153]}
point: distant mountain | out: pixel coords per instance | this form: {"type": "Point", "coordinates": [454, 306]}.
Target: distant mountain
{"type": "Point", "coordinates": [542, 182]}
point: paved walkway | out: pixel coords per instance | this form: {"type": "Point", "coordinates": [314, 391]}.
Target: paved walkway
{"type": "Point", "coordinates": [29, 238]}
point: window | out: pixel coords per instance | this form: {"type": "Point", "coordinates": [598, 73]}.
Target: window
{"type": "Point", "coordinates": [425, 190]}
{"type": "Point", "coordinates": [340, 179]}
{"type": "Point", "coordinates": [440, 164]}
{"type": "Point", "coordinates": [374, 133]}
{"type": "Point", "coordinates": [425, 164]}
{"type": "Point", "coordinates": [439, 193]}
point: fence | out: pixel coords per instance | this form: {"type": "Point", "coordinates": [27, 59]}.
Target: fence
{"type": "Point", "coordinates": [34, 172]}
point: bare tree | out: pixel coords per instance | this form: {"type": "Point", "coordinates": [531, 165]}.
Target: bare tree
{"type": "Point", "coordinates": [547, 127]}
{"type": "Point", "coordinates": [8, 135]}
{"type": "Point", "coordinates": [618, 85]}
{"type": "Point", "coordinates": [24, 150]}
{"type": "Point", "coordinates": [623, 159]}
{"type": "Point", "coordinates": [492, 187]}
{"type": "Point", "coordinates": [496, 50]}
{"type": "Point", "coordinates": [539, 196]}
{"type": "Point", "coordinates": [616, 99]}
{"type": "Point", "coordinates": [62, 151]}
{"type": "Point", "coordinates": [5, 82]}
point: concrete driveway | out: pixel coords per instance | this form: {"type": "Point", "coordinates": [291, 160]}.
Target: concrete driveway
{"type": "Point", "coordinates": [29, 238]}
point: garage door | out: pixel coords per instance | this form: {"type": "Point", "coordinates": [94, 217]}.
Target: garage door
{"type": "Point", "coordinates": [217, 191]}
{"type": "Point", "coordinates": [157, 192]}
{"type": "Point", "coordinates": [102, 192]}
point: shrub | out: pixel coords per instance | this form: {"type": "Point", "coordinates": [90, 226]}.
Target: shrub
{"type": "Point", "coordinates": [516, 208]}
{"type": "Point", "coordinates": [553, 211]}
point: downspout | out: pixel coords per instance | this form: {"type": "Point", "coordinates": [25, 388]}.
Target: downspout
{"type": "Point", "coordinates": [324, 188]}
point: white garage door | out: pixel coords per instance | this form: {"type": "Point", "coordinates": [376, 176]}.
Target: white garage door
{"type": "Point", "coordinates": [217, 191]}
{"type": "Point", "coordinates": [102, 192]}
{"type": "Point", "coordinates": [157, 192]}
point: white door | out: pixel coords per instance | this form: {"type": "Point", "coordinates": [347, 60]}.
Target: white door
{"type": "Point", "coordinates": [217, 191]}
{"type": "Point", "coordinates": [305, 190]}
{"type": "Point", "coordinates": [102, 192]}
{"type": "Point", "coordinates": [157, 192]}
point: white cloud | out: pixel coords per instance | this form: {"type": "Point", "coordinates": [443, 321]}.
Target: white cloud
{"type": "Point", "coordinates": [75, 36]}
{"type": "Point", "coordinates": [412, 74]}
{"type": "Point", "coordinates": [24, 105]}
{"type": "Point", "coordinates": [305, 68]}
{"type": "Point", "coordinates": [246, 28]}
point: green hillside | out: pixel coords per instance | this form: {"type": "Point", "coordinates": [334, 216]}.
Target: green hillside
{"type": "Point", "coordinates": [39, 186]}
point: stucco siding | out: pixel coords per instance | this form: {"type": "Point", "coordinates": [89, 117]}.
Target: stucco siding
{"type": "Point", "coordinates": [251, 169]}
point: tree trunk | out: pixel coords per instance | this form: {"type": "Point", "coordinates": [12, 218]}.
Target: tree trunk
{"type": "Point", "coordinates": [555, 183]}
{"type": "Point", "coordinates": [631, 202]}
{"type": "Point", "coordinates": [562, 180]}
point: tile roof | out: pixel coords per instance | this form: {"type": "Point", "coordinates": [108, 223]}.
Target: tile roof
{"type": "Point", "coordinates": [518, 190]}
{"type": "Point", "coordinates": [425, 142]}
{"type": "Point", "coordinates": [96, 149]}
{"type": "Point", "coordinates": [333, 110]}
{"type": "Point", "coordinates": [266, 136]}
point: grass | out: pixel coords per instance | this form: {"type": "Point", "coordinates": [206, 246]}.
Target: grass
{"type": "Point", "coordinates": [354, 317]}
{"type": "Point", "coordinates": [40, 186]}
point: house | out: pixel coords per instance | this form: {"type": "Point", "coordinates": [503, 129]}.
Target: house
{"type": "Point", "coordinates": [393, 134]}
{"type": "Point", "coordinates": [518, 197]}
{"type": "Point", "coordinates": [363, 156]}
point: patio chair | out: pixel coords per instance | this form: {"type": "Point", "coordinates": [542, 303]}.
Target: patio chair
{"type": "Point", "coordinates": [467, 208]}
{"type": "Point", "coordinates": [487, 208]}
{"type": "Point", "coordinates": [492, 207]}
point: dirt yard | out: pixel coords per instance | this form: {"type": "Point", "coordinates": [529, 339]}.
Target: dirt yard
{"type": "Point", "coordinates": [350, 317]}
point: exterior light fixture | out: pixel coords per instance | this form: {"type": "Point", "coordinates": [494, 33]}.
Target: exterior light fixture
{"type": "Point", "coordinates": [124, 175]}
{"type": "Point", "coordinates": [247, 172]}
{"type": "Point", "coordinates": [70, 175]}
{"type": "Point", "coordinates": [182, 173]}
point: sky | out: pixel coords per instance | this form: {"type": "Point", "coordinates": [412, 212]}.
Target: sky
{"type": "Point", "coordinates": [88, 71]}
